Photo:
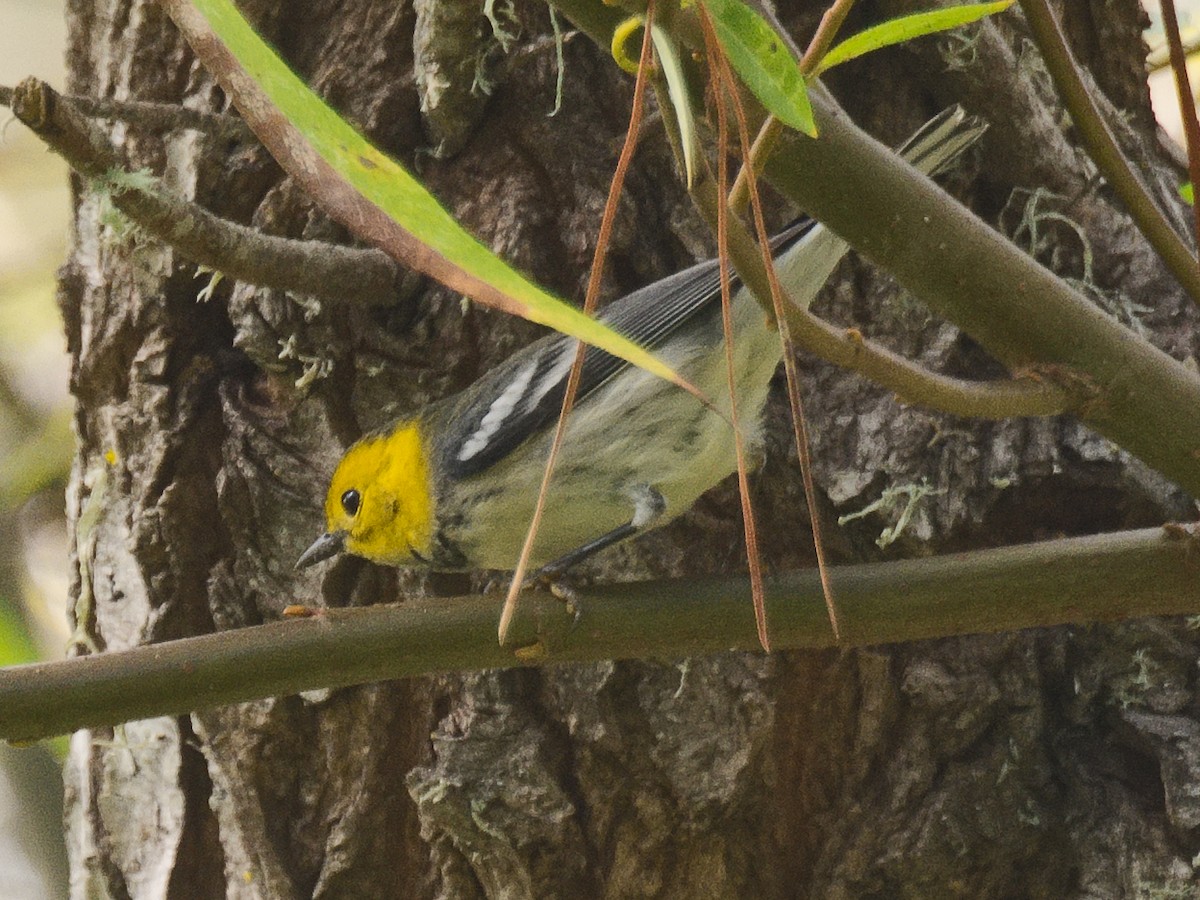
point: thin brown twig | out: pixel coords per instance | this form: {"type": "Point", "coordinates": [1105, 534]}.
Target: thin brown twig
{"type": "Point", "coordinates": [799, 423]}
{"type": "Point", "coordinates": [156, 117]}
{"type": "Point", "coordinates": [719, 87]}
{"type": "Point", "coordinates": [827, 29]}
{"type": "Point", "coordinates": [316, 268]}
{"type": "Point", "coordinates": [589, 304]}
{"type": "Point", "coordinates": [1187, 102]}
{"type": "Point", "coordinates": [167, 117]}
{"type": "Point", "coordinates": [753, 162]}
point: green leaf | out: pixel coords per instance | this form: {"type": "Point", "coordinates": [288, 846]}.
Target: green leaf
{"type": "Point", "coordinates": [364, 188]}
{"type": "Point", "coordinates": [763, 63]}
{"type": "Point", "coordinates": [1188, 193]}
{"type": "Point", "coordinates": [677, 90]}
{"type": "Point", "coordinates": [905, 28]}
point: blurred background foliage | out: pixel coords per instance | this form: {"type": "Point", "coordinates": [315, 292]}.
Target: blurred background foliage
{"type": "Point", "coordinates": [1162, 82]}
{"type": "Point", "coordinates": [35, 435]}
{"type": "Point", "coordinates": [35, 444]}
{"type": "Point", "coordinates": [35, 438]}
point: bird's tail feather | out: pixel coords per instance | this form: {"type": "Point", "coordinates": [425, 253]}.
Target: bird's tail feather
{"type": "Point", "coordinates": [941, 140]}
{"type": "Point", "coordinates": [807, 253]}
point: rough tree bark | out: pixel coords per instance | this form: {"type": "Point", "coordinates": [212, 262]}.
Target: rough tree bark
{"type": "Point", "coordinates": [1050, 764]}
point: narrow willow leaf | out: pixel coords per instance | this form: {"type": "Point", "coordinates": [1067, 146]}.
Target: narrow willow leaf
{"type": "Point", "coordinates": [905, 28]}
{"type": "Point", "coordinates": [364, 188]}
{"type": "Point", "coordinates": [677, 89]}
{"type": "Point", "coordinates": [763, 63]}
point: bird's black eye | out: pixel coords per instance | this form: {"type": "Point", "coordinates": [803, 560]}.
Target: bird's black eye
{"type": "Point", "coordinates": [351, 500]}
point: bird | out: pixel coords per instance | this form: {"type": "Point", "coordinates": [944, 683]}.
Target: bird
{"type": "Point", "coordinates": [452, 487]}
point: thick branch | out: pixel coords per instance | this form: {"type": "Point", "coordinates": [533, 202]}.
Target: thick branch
{"type": "Point", "coordinates": [305, 267]}
{"type": "Point", "coordinates": [1099, 578]}
{"type": "Point", "coordinates": [1018, 310]}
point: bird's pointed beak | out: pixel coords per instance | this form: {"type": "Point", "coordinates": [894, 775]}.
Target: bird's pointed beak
{"type": "Point", "coordinates": [327, 545]}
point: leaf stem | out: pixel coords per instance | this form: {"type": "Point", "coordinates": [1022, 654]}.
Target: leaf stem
{"type": "Point", "coordinates": [831, 22]}
{"type": "Point", "coordinates": [791, 372]}
{"type": "Point", "coordinates": [720, 85]}
{"type": "Point", "coordinates": [595, 279]}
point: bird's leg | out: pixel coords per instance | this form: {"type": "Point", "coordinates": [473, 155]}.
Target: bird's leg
{"type": "Point", "coordinates": [648, 506]}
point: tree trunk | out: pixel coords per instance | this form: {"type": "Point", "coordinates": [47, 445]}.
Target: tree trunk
{"type": "Point", "coordinates": [1052, 764]}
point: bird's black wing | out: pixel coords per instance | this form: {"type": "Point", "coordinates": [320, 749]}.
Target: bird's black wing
{"type": "Point", "coordinates": [527, 390]}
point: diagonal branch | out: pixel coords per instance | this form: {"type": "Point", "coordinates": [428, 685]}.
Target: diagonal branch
{"type": "Point", "coordinates": [1023, 314]}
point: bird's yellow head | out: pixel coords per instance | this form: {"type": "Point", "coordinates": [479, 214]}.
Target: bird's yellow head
{"type": "Point", "coordinates": [380, 502]}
